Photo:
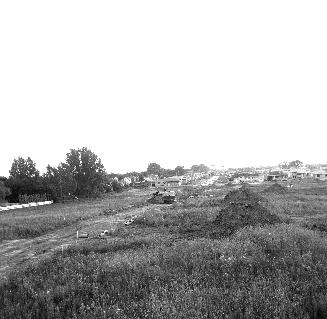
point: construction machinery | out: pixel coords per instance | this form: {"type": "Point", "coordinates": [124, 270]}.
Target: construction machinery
{"type": "Point", "coordinates": [162, 197]}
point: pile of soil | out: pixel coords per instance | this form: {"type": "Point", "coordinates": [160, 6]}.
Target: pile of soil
{"type": "Point", "coordinates": [242, 208]}
{"type": "Point", "coordinates": [276, 189]}
{"type": "Point", "coordinates": [243, 195]}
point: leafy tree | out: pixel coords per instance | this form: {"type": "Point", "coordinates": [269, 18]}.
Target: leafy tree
{"type": "Point", "coordinates": [59, 182]}
{"type": "Point", "coordinates": [287, 165]}
{"type": "Point", "coordinates": [24, 178]}
{"type": "Point", "coordinates": [296, 164]}
{"type": "Point", "coordinates": [87, 170]}
{"type": "Point", "coordinates": [179, 170]}
{"type": "Point", "coordinates": [4, 191]}
{"type": "Point", "coordinates": [22, 168]}
{"type": "Point", "coordinates": [116, 186]}
{"type": "Point", "coordinates": [200, 168]}
{"type": "Point", "coordinates": [154, 168]}
{"type": "Point", "coordinates": [167, 172]}
{"type": "Point", "coordinates": [284, 165]}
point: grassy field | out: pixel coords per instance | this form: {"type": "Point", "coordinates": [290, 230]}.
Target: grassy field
{"type": "Point", "coordinates": [35, 221]}
{"type": "Point", "coordinates": [170, 263]}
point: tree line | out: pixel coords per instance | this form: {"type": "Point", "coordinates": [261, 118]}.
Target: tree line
{"type": "Point", "coordinates": [82, 174]}
{"type": "Point", "coordinates": [156, 169]}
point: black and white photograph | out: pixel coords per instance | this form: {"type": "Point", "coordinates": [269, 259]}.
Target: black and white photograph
{"type": "Point", "coordinates": [163, 159]}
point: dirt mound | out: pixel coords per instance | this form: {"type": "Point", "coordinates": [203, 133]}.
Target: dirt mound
{"type": "Point", "coordinates": [276, 189]}
{"type": "Point", "coordinates": [242, 208]}
{"type": "Point", "coordinates": [243, 195]}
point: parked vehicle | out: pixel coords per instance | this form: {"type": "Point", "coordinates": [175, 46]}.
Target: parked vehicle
{"type": "Point", "coordinates": [162, 197]}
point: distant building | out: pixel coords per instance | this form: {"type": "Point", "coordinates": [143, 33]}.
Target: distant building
{"type": "Point", "coordinates": [250, 177]}
{"type": "Point", "coordinates": [276, 176]}
{"type": "Point", "coordinates": [303, 174]}
{"type": "Point", "coordinates": [167, 182]}
{"type": "Point", "coordinates": [184, 179]}
{"type": "Point", "coordinates": [320, 175]}
{"type": "Point", "coordinates": [151, 178]}
{"type": "Point", "coordinates": [126, 181]}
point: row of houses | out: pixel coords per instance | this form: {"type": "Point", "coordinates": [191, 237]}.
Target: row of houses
{"type": "Point", "coordinates": [254, 176]}
{"type": "Point", "coordinates": [297, 174]}
{"type": "Point", "coordinates": [251, 176]}
{"type": "Point", "coordinates": [175, 181]}
{"type": "Point", "coordinates": [251, 179]}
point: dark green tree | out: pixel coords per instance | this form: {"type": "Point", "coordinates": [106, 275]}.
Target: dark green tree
{"type": "Point", "coordinates": [284, 165]}
{"type": "Point", "coordinates": [154, 168]}
{"type": "Point", "coordinates": [116, 186]}
{"type": "Point", "coordinates": [201, 168]}
{"type": "Point", "coordinates": [167, 172]}
{"type": "Point", "coordinates": [296, 164]}
{"type": "Point", "coordinates": [4, 191]}
{"type": "Point", "coordinates": [24, 178]}
{"type": "Point", "coordinates": [22, 168]}
{"type": "Point", "coordinates": [59, 182]}
{"type": "Point", "coordinates": [179, 170]}
{"type": "Point", "coordinates": [87, 170]}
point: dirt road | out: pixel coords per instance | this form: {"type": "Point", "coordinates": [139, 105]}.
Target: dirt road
{"type": "Point", "coordinates": [15, 253]}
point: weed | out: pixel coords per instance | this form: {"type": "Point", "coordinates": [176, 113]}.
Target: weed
{"type": "Point", "coordinates": [143, 271]}
{"type": "Point", "coordinates": [36, 221]}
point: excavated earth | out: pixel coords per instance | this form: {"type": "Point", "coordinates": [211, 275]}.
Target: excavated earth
{"type": "Point", "coordinates": [238, 209]}
{"type": "Point", "coordinates": [276, 189]}
{"type": "Point", "coordinates": [241, 208]}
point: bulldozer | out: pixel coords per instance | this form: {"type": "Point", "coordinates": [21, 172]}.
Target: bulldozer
{"type": "Point", "coordinates": [162, 197]}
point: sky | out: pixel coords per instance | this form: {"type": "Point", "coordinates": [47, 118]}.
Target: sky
{"type": "Point", "coordinates": [233, 83]}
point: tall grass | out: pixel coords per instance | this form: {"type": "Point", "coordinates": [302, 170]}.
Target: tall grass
{"type": "Point", "coordinates": [298, 205]}
{"type": "Point", "coordinates": [35, 221]}
{"type": "Point", "coordinates": [150, 270]}
{"type": "Point", "coordinates": [266, 272]}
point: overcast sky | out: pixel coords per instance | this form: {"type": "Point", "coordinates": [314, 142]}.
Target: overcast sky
{"type": "Point", "coordinates": [231, 83]}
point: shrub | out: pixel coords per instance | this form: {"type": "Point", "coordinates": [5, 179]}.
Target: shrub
{"type": "Point", "coordinates": [25, 199]}
{"type": "Point", "coordinates": [4, 191]}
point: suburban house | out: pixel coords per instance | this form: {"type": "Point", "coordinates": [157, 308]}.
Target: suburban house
{"type": "Point", "coordinates": [167, 182]}
{"type": "Point", "coordinates": [276, 176]}
{"type": "Point", "coordinates": [184, 179]}
{"type": "Point", "coordinates": [302, 174]}
{"type": "Point", "coordinates": [248, 178]}
{"type": "Point", "coordinates": [151, 178]}
{"type": "Point", "coordinates": [289, 172]}
{"type": "Point", "coordinates": [126, 181]}
{"type": "Point", "coordinates": [320, 175]}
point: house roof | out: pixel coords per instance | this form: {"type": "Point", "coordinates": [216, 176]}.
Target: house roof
{"type": "Point", "coordinates": [170, 179]}
{"type": "Point", "coordinates": [318, 172]}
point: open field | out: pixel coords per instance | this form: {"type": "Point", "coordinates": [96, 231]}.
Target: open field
{"type": "Point", "coordinates": [183, 260]}
{"type": "Point", "coordinates": [36, 221]}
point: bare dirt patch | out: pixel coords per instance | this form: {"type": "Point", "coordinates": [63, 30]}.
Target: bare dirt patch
{"type": "Point", "coordinates": [243, 208]}
{"type": "Point", "coordinates": [276, 189]}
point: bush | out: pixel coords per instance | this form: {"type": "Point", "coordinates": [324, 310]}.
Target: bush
{"type": "Point", "coordinates": [4, 191]}
{"type": "Point", "coordinates": [25, 199]}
